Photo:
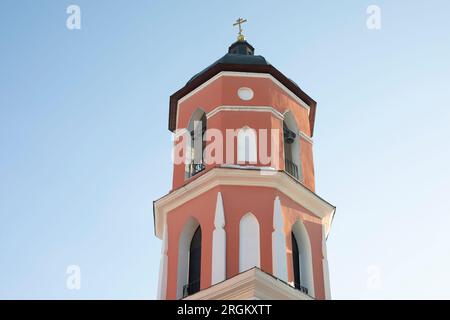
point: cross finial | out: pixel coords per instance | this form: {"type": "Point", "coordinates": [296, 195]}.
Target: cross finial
{"type": "Point", "coordinates": [239, 23]}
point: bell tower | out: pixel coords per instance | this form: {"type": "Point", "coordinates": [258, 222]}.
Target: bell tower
{"type": "Point", "coordinates": [242, 220]}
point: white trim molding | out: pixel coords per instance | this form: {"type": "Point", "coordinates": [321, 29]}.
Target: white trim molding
{"type": "Point", "coordinates": [162, 280]}
{"type": "Point", "coordinates": [326, 272]}
{"type": "Point", "coordinates": [305, 137]}
{"type": "Point", "coordinates": [278, 180]}
{"type": "Point", "coordinates": [269, 170]}
{"type": "Point", "coordinates": [218, 109]}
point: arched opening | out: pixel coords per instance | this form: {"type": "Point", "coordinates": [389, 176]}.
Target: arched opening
{"type": "Point", "coordinates": [291, 146]}
{"type": "Point", "coordinates": [249, 250]}
{"type": "Point", "coordinates": [246, 147]}
{"type": "Point", "coordinates": [302, 259]}
{"type": "Point", "coordinates": [189, 258]}
{"type": "Point", "coordinates": [197, 130]}
{"type": "Point", "coordinates": [295, 262]}
{"type": "Point", "coordinates": [195, 257]}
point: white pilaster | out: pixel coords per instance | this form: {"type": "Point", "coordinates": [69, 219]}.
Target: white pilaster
{"type": "Point", "coordinates": [279, 257]}
{"type": "Point", "coordinates": [326, 275]}
{"type": "Point", "coordinates": [219, 244]}
{"type": "Point", "coordinates": [162, 280]}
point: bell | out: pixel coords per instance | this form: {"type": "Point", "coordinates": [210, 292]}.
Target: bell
{"type": "Point", "coordinates": [289, 136]}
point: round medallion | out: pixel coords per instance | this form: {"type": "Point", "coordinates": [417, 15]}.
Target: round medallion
{"type": "Point", "coordinates": [245, 93]}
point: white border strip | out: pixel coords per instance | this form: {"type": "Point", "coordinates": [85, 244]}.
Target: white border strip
{"type": "Point", "coordinates": [254, 178]}
{"type": "Point", "coordinates": [306, 137]}
{"type": "Point", "coordinates": [275, 112]}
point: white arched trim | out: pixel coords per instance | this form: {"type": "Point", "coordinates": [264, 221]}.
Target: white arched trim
{"type": "Point", "coordinates": [183, 253]}
{"type": "Point", "coordinates": [195, 116]}
{"type": "Point", "coordinates": [305, 256]}
{"type": "Point", "coordinates": [249, 246]}
{"type": "Point", "coordinates": [246, 145]}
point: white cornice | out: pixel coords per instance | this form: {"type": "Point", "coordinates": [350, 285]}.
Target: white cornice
{"type": "Point", "coordinates": [226, 176]}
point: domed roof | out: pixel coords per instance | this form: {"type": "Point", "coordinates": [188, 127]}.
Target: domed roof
{"type": "Point", "coordinates": [240, 58]}
{"type": "Point", "coordinates": [240, 52]}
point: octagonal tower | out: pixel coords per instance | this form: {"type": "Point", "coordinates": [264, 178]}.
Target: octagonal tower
{"type": "Point", "coordinates": [242, 220]}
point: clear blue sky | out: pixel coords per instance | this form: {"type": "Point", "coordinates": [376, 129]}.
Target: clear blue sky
{"type": "Point", "coordinates": [84, 145]}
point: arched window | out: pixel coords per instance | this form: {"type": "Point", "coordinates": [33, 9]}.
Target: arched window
{"type": "Point", "coordinates": [302, 259]}
{"type": "Point", "coordinates": [295, 261]}
{"type": "Point", "coordinates": [189, 258]}
{"type": "Point", "coordinates": [195, 255]}
{"type": "Point", "coordinates": [291, 146]}
{"type": "Point", "coordinates": [246, 148]}
{"type": "Point", "coordinates": [197, 130]}
{"type": "Point", "coordinates": [249, 251]}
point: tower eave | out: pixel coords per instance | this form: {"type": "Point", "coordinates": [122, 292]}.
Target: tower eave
{"type": "Point", "coordinates": [219, 67]}
{"type": "Point", "coordinates": [280, 181]}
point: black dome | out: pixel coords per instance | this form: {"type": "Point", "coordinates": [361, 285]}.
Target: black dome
{"type": "Point", "coordinates": [240, 52]}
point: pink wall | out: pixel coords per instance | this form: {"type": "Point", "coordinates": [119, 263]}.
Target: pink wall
{"type": "Point", "coordinates": [237, 201]}
{"type": "Point", "coordinates": [223, 92]}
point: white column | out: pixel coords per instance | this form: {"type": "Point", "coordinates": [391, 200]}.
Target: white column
{"type": "Point", "coordinates": [279, 256]}
{"type": "Point", "coordinates": [162, 281]}
{"type": "Point", "coordinates": [219, 244]}
{"type": "Point", "coordinates": [326, 275]}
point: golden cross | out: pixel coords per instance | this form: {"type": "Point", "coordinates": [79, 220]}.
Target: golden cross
{"type": "Point", "coordinates": [239, 22]}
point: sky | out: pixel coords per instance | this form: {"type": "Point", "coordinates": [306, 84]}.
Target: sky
{"type": "Point", "coordinates": [85, 149]}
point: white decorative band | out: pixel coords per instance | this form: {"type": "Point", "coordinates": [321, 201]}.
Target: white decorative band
{"type": "Point", "coordinates": [306, 137]}
{"type": "Point", "coordinates": [275, 112]}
